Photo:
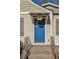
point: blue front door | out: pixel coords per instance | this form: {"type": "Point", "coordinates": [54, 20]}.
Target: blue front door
{"type": "Point", "coordinates": [39, 30]}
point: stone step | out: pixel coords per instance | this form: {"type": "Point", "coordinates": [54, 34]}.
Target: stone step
{"type": "Point", "coordinates": [37, 47]}
{"type": "Point", "coordinates": [40, 52]}
{"type": "Point", "coordinates": [41, 57]}
{"type": "Point", "coordinates": [40, 48]}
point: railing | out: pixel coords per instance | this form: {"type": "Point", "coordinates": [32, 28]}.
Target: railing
{"type": "Point", "coordinates": [28, 44]}
{"type": "Point", "coordinates": [26, 48]}
{"type": "Point", "coordinates": [54, 52]}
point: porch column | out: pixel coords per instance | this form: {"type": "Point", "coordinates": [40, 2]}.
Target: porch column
{"type": "Point", "coordinates": [51, 23]}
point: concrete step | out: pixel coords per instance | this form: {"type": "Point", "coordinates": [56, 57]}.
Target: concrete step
{"type": "Point", "coordinates": [41, 57]}
{"type": "Point", "coordinates": [40, 47]}
{"type": "Point", "coordinates": [41, 52]}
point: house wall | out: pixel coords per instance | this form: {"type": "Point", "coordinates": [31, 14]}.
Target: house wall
{"type": "Point", "coordinates": [55, 10]}
{"type": "Point", "coordinates": [48, 33]}
{"type": "Point", "coordinates": [29, 6]}
{"type": "Point", "coordinates": [28, 27]}
{"type": "Point", "coordinates": [49, 7]}
{"type": "Point", "coordinates": [56, 37]}
{"type": "Point", "coordinates": [29, 30]}
{"type": "Point", "coordinates": [52, 8]}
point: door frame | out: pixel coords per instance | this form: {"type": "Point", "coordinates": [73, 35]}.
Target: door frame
{"type": "Point", "coordinates": [33, 17]}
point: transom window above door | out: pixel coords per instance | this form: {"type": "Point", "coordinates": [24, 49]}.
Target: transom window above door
{"type": "Point", "coordinates": [39, 17]}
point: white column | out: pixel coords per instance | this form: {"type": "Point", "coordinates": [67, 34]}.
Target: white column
{"type": "Point", "coordinates": [51, 24]}
{"type": "Point", "coordinates": [24, 12]}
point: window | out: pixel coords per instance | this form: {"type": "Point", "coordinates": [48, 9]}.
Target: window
{"type": "Point", "coordinates": [57, 26]}
{"type": "Point", "coordinates": [21, 26]}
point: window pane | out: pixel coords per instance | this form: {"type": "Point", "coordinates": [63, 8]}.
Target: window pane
{"type": "Point", "coordinates": [57, 26]}
{"type": "Point", "coordinates": [21, 26]}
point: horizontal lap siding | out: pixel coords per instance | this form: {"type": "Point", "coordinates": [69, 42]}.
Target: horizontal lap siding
{"type": "Point", "coordinates": [28, 26]}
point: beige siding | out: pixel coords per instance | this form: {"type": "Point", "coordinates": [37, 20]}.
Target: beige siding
{"type": "Point", "coordinates": [54, 29]}
{"type": "Point", "coordinates": [28, 26]}
{"type": "Point", "coordinates": [29, 6]}
{"type": "Point", "coordinates": [55, 24]}
{"type": "Point", "coordinates": [48, 33]}
{"type": "Point", "coordinates": [29, 30]}
{"type": "Point", "coordinates": [49, 7]}
{"type": "Point", "coordinates": [52, 8]}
